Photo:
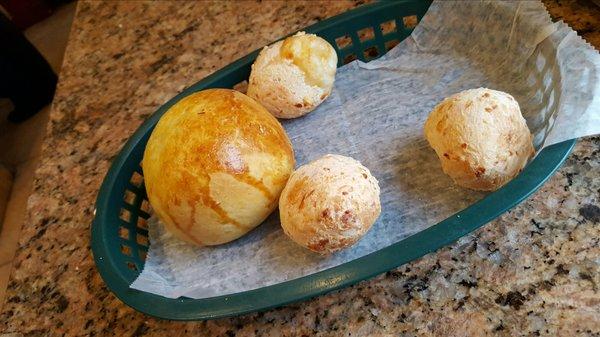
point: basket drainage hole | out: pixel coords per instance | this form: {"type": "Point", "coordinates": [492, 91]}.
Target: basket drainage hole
{"type": "Point", "coordinates": [145, 206]}
{"type": "Point", "coordinates": [343, 42]}
{"type": "Point", "coordinates": [366, 34]}
{"type": "Point", "coordinates": [126, 250]}
{"type": "Point", "coordinates": [136, 179]}
{"type": "Point", "coordinates": [142, 240]}
{"type": "Point", "coordinates": [125, 215]}
{"type": "Point", "coordinates": [129, 197]}
{"type": "Point", "coordinates": [141, 223]}
{"type": "Point", "coordinates": [124, 233]}
{"type": "Point", "coordinates": [371, 53]}
{"type": "Point", "coordinates": [388, 27]}
{"type": "Point", "coordinates": [142, 254]}
{"type": "Point", "coordinates": [410, 21]}
{"type": "Point", "coordinates": [349, 58]}
{"type": "Point", "coordinates": [241, 87]}
{"type": "Point", "coordinates": [391, 44]}
{"type": "Point", "coordinates": [132, 266]}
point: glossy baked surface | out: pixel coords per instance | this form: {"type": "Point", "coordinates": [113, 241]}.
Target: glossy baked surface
{"type": "Point", "coordinates": [215, 165]}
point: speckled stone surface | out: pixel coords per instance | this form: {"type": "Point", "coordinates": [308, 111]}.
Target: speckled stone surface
{"type": "Point", "coordinates": [533, 272]}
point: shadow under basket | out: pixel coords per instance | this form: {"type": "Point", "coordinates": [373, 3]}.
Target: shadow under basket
{"type": "Point", "coordinates": [120, 234]}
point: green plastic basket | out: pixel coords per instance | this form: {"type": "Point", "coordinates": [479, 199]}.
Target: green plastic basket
{"type": "Point", "coordinates": [120, 236]}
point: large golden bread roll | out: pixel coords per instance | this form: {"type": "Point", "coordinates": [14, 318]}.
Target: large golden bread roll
{"type": "Point", "coordinates": [481, 138]}
{"type": "Point", "coordinates": [329, 203]}
{"type": "Point", "coordinates": [215, 165]}
{"type": "Point", "coordinates": [292, 77]}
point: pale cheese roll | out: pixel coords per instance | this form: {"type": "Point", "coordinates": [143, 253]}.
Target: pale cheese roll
{"type": "Point", "coordinates": [329, 204]}
{"type": "Point", "coordinates": [215, 165]}
{"type": "Point", "coordinates": [481, 138]}
{"type": "Point", "coordinates": [292, 77]}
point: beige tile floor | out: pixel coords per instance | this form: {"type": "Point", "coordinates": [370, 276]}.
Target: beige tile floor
{"type": "Point", "coordinates": [20, 144]}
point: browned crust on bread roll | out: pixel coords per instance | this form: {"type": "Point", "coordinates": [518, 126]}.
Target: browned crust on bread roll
{"type": "Point", "coordinates": [329, 204]}
{"type": "Point", "coordinates": [215, 165]}
{"type": "Point", "coordinates": [480, 137]}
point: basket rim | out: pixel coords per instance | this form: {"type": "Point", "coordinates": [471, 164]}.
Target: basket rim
{"type": "Point", "coordinates": [299, 289]}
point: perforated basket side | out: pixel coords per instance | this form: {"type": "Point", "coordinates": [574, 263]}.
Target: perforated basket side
{"type": "Point", "coordinates": [371, 36]}
{"type": "Point", "coordinates": [132, 230]}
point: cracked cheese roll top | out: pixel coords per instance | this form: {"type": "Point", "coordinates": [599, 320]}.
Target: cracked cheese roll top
{"type": "Point", "coordinates": [292, 77]}
{"type": "Point", "coordinates": [481, 138]}
{"type": "Point", "coordinates": [215, 165]}
{"type": "Point", "coordinates": [329, 204]}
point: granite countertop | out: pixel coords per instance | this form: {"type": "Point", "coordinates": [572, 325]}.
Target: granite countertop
{"type": "Point", "coordinates": [535, 271]}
